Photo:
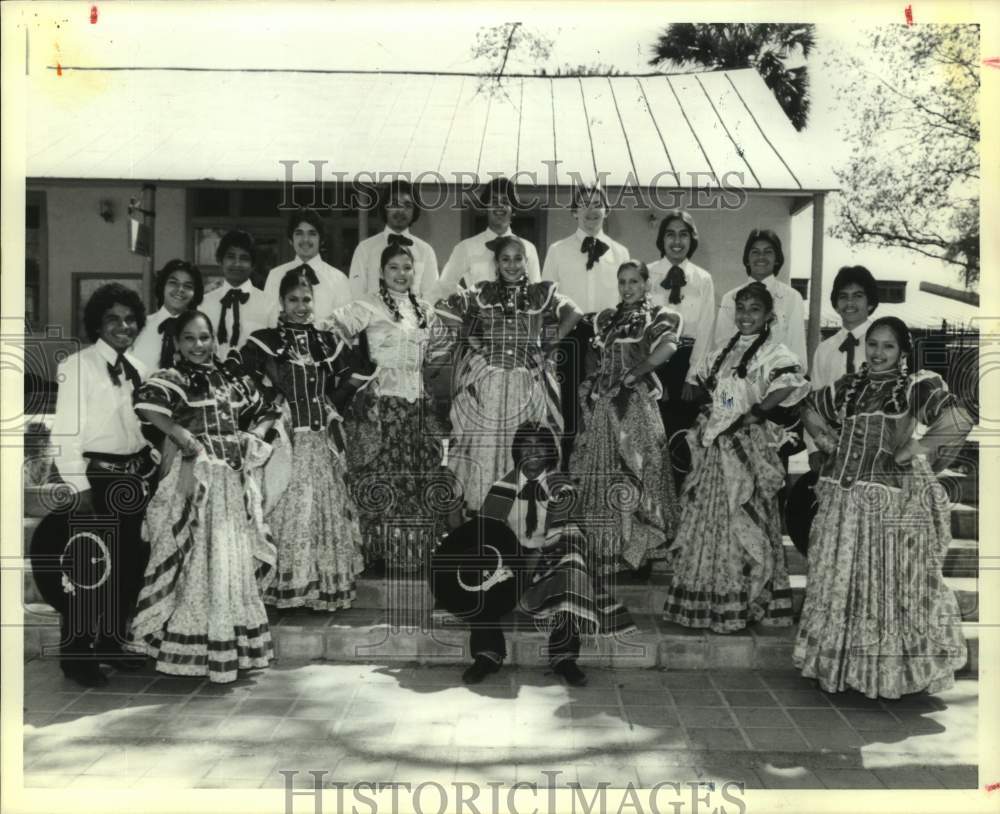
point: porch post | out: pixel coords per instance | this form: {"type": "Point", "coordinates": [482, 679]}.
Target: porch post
{"type": "Point", "coordinates": [816, 277]}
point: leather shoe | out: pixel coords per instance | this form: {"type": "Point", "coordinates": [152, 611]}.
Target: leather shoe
{"type": "Point", "coordinates": [480, 668]}
{"type": "Point", "coordinates": [86, 675]}
{"type": "Point", "coordinates": [574, 676]}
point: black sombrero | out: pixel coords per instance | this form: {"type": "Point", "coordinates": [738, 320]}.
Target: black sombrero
{"type": "Point", "coordinates": [69, 554]}
{"type": "Point", "coordinates": [474, 572]}
{"type": "Point", "coordinates": [801, 505]}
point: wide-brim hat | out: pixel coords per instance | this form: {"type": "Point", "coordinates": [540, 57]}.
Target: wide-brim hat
{"type": "Point", "coordinates": [68, 554]}
{"type": "Point", "coordinates": [475, 570]}
{"type": "Point", "coordinates": [801, 505]}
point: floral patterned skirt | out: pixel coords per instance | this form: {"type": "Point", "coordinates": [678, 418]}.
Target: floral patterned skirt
{"type": "Point", "coordinates": [489, 406]}
{"type": "Point", "coordinates": [728, 559]}
{"type": "Point", "coordinates": [200, 611]}
{"type": "Point", "coordinates": [621, 463]}
{"type": "Point", "coordinates": [878, 616]}
{"type": "Point", "coordinates": [315, 527]}
{"type": "Point", "coordinates": [402, 491]}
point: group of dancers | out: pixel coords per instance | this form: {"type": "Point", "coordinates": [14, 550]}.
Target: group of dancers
{"type": "Point", "coordinates": [263, 448]}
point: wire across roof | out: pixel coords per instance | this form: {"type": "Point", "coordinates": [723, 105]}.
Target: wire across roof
{"type": "Point", "coordinates": [680, 130]}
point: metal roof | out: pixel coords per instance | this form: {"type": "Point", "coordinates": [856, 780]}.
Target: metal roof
{"type": "Point", "coordinates": [670, 131]}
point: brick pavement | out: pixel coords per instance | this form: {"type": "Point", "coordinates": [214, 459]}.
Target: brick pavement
{"type": "Point", "coordinates": [767, 729]}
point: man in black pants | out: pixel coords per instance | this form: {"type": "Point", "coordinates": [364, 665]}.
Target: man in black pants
{"type": "Point", "coordinates": [89, 560]}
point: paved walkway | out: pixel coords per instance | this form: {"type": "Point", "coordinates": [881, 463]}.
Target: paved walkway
{"type": "Point", "coordinates": [768, 729]}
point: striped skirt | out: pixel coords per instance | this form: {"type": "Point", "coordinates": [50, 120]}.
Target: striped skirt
{"type": "Point", "coordinates": [489, 405]}
{"type": "Point", "coordinates": [200, 611]}
{"type": "Point", "coordinates": [728, 559]}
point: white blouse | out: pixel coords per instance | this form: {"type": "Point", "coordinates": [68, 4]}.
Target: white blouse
{"type": "Point", "coordinates": [397, 348]}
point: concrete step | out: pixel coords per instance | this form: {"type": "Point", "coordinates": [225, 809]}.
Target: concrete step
{"type": "Point", "coordinates": [369, 635]}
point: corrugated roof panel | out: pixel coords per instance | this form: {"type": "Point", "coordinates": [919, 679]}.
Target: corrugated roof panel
{"type": "Point", "coordinates": [500, 145]}
{"type": "Point", "coordinates": [612, 152]}
{"type": "Point", "coordinates": [648, 153]}
{"type": "Point", "coordinates": [536, 142]}
{"type": "Point", "coordinates": [765, 163]}
{"type": "Point", "coordinates": [573, 149]}
{"type": "Point", "coordinates": [778, 130]}
{"type": "Point", "coordinates": [130, 124]}
{"type": "Point", "coordinates": [461, 153]}
{"type": "Point", "coordinates": [716, 142]}
{"type": "Point", "coordinates": [679, 134]}
{"type": "Point", "coordinates": [425, 151]}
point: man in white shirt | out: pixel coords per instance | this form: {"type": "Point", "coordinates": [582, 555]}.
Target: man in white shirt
{"type": "Point", "coordinates": [331, 288]}
{"type": "Point", "coordinates": [399, 209]}
{"type": "Point", "coordinates": [472, 260]}
{"type": "Point", "coordinates": [677, 283]}
{"type": "Point", "coordinates": [585, 267]}
{"type": "Point", "coordinates": [763, 258]}
{"type": "Point", "coordinates": [103, 457]}
{"type": "Point", "coordinates": [178, 287]}
{"type": "Point", "coordinates": [236, 308]}
{"type": "Point", "coordinates": [854, 297]}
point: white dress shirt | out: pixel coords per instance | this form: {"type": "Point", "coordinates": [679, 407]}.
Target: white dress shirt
{"type": "Point", "coordinates": [697, 306]}
{"type": "Point", "coordinates": [333, 291]}
{"type": "Point", "coordinates": [473, 262]}
{"type": "Point", "coordinates": [789, 326]}
{"type": "Point", "coordinates": [92, 414]}
{"type": "Point", "coordinates": [254, 314]}
{"type": "Point", "coordinates": [365, 269]}
{"type": "Point", "coordinates": [148, 343]}
{"type": "Point", "coordinates": [518, 517]}
{"type": "Point", "coordinates": [592, 290]}
{"type": "Point", "coordinates": [830, 362]}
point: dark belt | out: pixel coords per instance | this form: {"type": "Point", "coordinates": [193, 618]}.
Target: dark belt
{"type": "Point", "coordinates": [142, 463]}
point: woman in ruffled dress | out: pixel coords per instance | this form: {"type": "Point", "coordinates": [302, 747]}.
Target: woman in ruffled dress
{"type": "Point", "coordinates": [312, 518]}
{"type": "Point", "coordinates": [508, 330]}
{"type": "Point", "coordinates": [200, 611]}
{"type": "Point", "coordinates": [878, 617]}
{"type": "Point", "coordinates": [395, 447]}
{"type": "Point", "coordinates": [621, 462]}
{"type": "Point", "coordinates": [728, 560]}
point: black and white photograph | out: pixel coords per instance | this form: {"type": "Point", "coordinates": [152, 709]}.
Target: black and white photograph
{"type": "Point", "coordinates": [499, 407]}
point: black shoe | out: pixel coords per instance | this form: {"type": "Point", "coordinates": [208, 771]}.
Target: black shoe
{"type": "Point", "coordinates": [480, 668]}
{"type": "Point", "coordinates": [573, 675]}
{"type": "Point", "coordinates": [86, 674]}
{"type": "Point", "coordinates": [122, 660]}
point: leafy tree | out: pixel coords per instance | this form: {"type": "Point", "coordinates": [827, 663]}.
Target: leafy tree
{"type": "Point", "coordinates": [771, 48]}
{"type": "Point", "coordinates": [913, 178]}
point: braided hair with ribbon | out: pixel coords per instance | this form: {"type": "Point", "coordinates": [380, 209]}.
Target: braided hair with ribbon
{"type": "Point", "coordinates": [759, 292]}
{"type": "Point", "coordinates": [897, 402]}
{"type": "Point", "coordinates": [511, 297]}
{"type": "Point", "coordinates": [388, 253]}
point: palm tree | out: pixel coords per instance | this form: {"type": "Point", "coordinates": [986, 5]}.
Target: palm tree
{"type": "Point", "coordinates": [768, 47]}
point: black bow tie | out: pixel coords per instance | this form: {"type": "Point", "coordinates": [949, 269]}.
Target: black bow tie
{"type": "Point", "coordinates": [399, 240]}
{"type": "Point", "coordinates": [492, 244]}
{"type": "Point", "coordinates": [167, 348]}
{"type": "Point", "coordinates": [594, 249]}
{"type": "Point", "coordinates": [674, 282]}
{"type": "Point", "coordinates": [123, 365]}
{"type": "Point", "coordinates": [848, 346]}
{"type": "Point", "coordinates": [533, 492]}
{"type": "Point", "coordinates": [233, 298]}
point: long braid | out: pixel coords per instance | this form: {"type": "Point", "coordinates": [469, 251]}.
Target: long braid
{"type": "Point", "coordinates": [389, 301]}
{"type": "Point", "coordinates": [855, 385]}
{"type": "Point", "coordinates": [421, 316]}
{"type": "Point", "coordinates": [713, 374]}
{"type": "Point", "coordinates": [741, 368]}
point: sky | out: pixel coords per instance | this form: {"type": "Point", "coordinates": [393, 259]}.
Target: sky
{"type": "Point", "coordinates": [440, 37]}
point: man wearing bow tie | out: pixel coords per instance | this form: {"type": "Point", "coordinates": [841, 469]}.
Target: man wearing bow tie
{"type": "Point", "coordinates": [236, 308]}
{"type": "Point", "coordinates": [399, 209]}
{"type": "Point", "coordinates": [585, 267]}
{"type": "Point", "coordinates": [472, 261]}
{"type": "Point", "coordinates": [854, 297]}
{"type": "Point", "coordinates": [331, 288]}
{"type": "Point", "coordinates": [103, 457]}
